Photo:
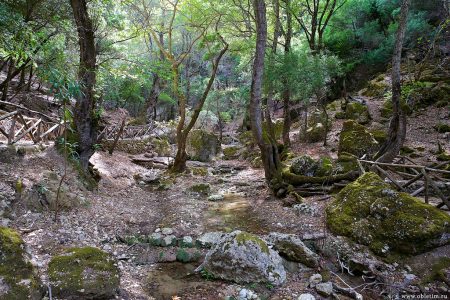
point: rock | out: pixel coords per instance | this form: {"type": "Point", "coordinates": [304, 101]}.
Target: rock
{"type": "Point", "coordinates": [18, 278]}
{"type": "Point", "coordinates": [304, 208]}
{"type": "Point", "coordinates": [207, 120]}
{"type": "Point", "coordinates": [151, 176]}
{"type": "Point", "coordinates": [188, 255]}
{"type": "Point", "coordinates": [209, 239]}
{"type": "Point", "coordinates": [202, 145]}
{"type": "Point", "coordinates": [345, 163]}
{"type": "Point", "coordinates": [186, 242]}
{"type": "Point", "coordinates": [7, 154]}
{"type": "Point", "coordinates": [232, 152]}
{"type": "Point", "coordinates": [201, 188]}
{"type": "Point", "coordinates": [356, 140]}
{"type": "Point", "coordinates": [244, 258]}
{"type": "Point", "coordinates": [162, 147]}
{"type": "Point", "coordinates": [293, 249]}
{"type": "Point", "coordinates": [315, 133]}
{"type": "Point", "coordinates": [155, 239]}
{"type": "Point", "coordinates": [6, 196]}
{"type": "Point", "coordinates": [376, 88]}
{"type": "Point", "coordinates": [314, 280]}
{"type": "Point", "coordinates": [371, 213]}
{"type": "Point", "coordinates": [358, 112]}
{"type": "Point", "coordinates": [169, 240]}
{"type": "Point", "coordinates": [304, 165]}
{"type": "Point", "coordinates": [306, 297]}
{"type": "Point", "coordinates": [324, 289]}
{"type": "Point", "coordinates": [84, 273]}
{"type": "Point", "coordinates": [167, 231]}
{"type": "Point", "coordinates": [216, 197]}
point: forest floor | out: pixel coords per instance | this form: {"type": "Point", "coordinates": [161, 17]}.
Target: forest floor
{"type": "Point", "coordinates": [122, 207]}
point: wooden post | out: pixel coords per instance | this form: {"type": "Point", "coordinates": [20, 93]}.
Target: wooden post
{"type": "Point", "coordinates": [111, 150]}
{"type": "Point", "coordinates": [11, 130]}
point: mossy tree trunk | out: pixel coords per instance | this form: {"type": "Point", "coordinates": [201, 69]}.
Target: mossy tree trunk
{"type": "Point", "coordinates": [286, 87]}
{"type": "Point", "coordinates": [397, 126]}
{"type": "Point", "coordinates": [268, 147]}
{"type": "Point", "coordinates": [84, 114]}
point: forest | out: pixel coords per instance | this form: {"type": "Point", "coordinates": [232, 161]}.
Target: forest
{"type": "Point", "coordinates": [229, 150]}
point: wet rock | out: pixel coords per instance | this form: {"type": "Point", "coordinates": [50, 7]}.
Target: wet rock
{"type": "Point", "coordinates": [244, 258]}
{"type": "Point", "coordinates": [209, 239]}
{"type": "Point", "coordinates": [84, 273]}
{"type": "Point", "coordinates": [371, 213]}
{"type": "Point", "coordinates": [357, 140]}
{"type": "Point", "coordinates": [18, 279]}
{"type": "Point", "coordinates": [314, 280]}
{"type": "Point", "coordinates": [306, 297]}
{"type": "Point", "coordinates": [292, 248]}
{"type": "Point", "coordinates": [324, 289]}
{"type": "Point", "coordinates": [202, 145]}
{"type": "Point", "coordinates": [216, 197]}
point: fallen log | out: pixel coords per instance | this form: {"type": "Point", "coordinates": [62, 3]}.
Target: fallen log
{"type": "Point", "coordinates": [295, 179]}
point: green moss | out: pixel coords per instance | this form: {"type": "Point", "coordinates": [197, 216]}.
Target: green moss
{"type": "Point", "coordinates": [356, 140]}
{"type": "Point", "coordinates": [83, 271]}
{"type": "Point", "coordinates": [371, 213]}
{"type": "Point", "coordinates": [201, 188]}
{"type": "Point", "coordinates": [376, 88]}
{"type": "Point", "coordinates": [161, 147]}
{"type": "Point", "coordinates": [340, 115]}
{"type": "Point", "coordinates": [16, 272]}
{"type": "Point", "coordinates": [406, 150]}
{"type": "Point", "coordinates": [442, 128]}
{"type": "Point", "coordinates": [444, 156]}
{"type": "Point", "coordinates": [380, 136]}
{"type": "Point", "coordinates": [325, 167]}
{"type": "Point", "coordinates": [231, 152]}
{"type": "Point", "coordinates": [199, 171]}
{"type": "Point", "coordinates": [202, 145]}
{"type": "Point", "coordinates": [437, 270]}
{"type": "Point", "coordinates": [244, 237]}
{"type": "Point", "coordinates": [358, 112]}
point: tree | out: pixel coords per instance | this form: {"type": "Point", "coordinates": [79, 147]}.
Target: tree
{"type": "Point", "coordinates": [85, 119]}
{"type": "Point", "coordinates": [397, 125]}
{"type": "Point", "coordinates": [268, 147]}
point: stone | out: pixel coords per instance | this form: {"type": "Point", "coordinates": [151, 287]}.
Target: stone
{"type": "Point", "coordinates": [216, 197]}
{"type": "Point", "coordinates": [6, 197]}
{"type": "Point", "coordinates": [315, 133]}
{"type": "Point", "coordinates": [292, 248]}
{"type": "Point", "coordinates": [7, 154]}
{"type": "Point", "coordinates": [356, 140]}
{"type": "Point", "coordinates": [151, 176]}
{"type": "Point", "coordinates": [314, 280]}
{"type": "Point", "coordinates": [162, 147]}
{"type": "Point", "coordinates": [202, 146]}
{"type": "Point", "coordinates": [371, 213]}
{"type": "Point", "coordinates": [84, 273]}
{"type": "Point", "coordinates": [169, 240]}
{"type": "Point", "coordinates": [304, 165]}
{"type": "Point", "coordinates": [304, 208]}
{"type": "Point", "coordinates": [18, 278]}
{"type": "Point", "coordinates": [306, 297]}
{"type": "Point", "coordinates": [188, 255]}
{"type": "Point", "coordinates": [324, 289]}
{"type": "Point", "coordinates": [232, 152]}
{"type": "Point", "coordinates": [358, 112]}
{"type": "Point", "coordinates": [186, 242]}
{"type": "Point", "coordinates": [244, 258]}
{"type": "Point", "coordinates": [167, 231]}
{"type": "Point", "coordinates": [209, 239]}
{"type": "Point", "coordinates": [155, 239]}
{"type": "Point", "coordinates": [201, 188]}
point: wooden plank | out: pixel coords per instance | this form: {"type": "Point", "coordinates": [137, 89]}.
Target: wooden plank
{"type": "Point", "coordinates": [11, 130]}
{"type": "Point", "coordinates": [405, 166]}
{"type": "Point", "coordinates": [437, 190]}
{"type": "Point", "coordinates": [390, 178]}
{"type": "Point", "coordinates": [418, 191]}
{"type": "Point", "coordinates": [50, 130]}
{"type": "Point", "coordinates": [27, 131]}
{"type": "Point", "coordinates": [411, 181]}
{"type": "Point", "coordinates": [8, 115]}
{"type": "Point", "coordinates": [111, 150]}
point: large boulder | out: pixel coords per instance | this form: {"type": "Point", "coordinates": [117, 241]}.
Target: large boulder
{"type": "Point", "coordinates": [370, 212]}
{"type": "Point", "coordinates": [84, 273]}
{"type": "Point", "coordinates": [292, 248]}
{"type": "Point", "coordinates": [202, 145]}
{"type": "Point", "coordinates": [307, 166]}
{"type": "Point", "coordinates": [357, 140]}
{"type": "Point", "coordinates": [18, 279]}
{"type": "Point", "coordinates": [358, 112]}
{"type": "Point", "coordinates": [244, 258]}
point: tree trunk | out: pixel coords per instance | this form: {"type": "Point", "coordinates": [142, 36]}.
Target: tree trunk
{"type": "Point", "coordinates": [268, 147]}
{"type": "Point", "coordinates": [6, 82]}
{"type": "Point", "coordinates": [286, 88]}
{"type": "Point", "coordinates": [397, 126]}
{"type": "Point", "coordinates": [84, 115]}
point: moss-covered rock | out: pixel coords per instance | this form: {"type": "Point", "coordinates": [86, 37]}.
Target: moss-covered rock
{"type": "Point", "coordinates": [376, 88]}
{"type": "Point", "coordinates": [18, 279]}
{"type": "Point", "coordinates": [231, 152]}
{"type": "Point", "coordinates": [358, 112]}
{"type": "Point", "coordinates": [201, 188]}
{"type": "Point", "coordinates": [345, 163]}
{"type": "Point", "coordinates": [202, 145]}
{"type": "Point", "coordinates": [84, 273]}
{"type": "Point", "coordinates": [357, 140]}
{"type": "Point", "coordinates": [325, 167]}
{"type": "Point", "coordinates": [380, 136]}
{"type": "Point", "coordinates": [315, 133]}
{"type": "Point", "coordinates": [386, 109]}
{"type": "Point", "coordinates": [442, 128]}
{"type": "Point", "coordinates": [304, 165]}
{"type": "Point", "coordinates": [161, 147]}
{"type": "Point", "coordinates": [371, 213]}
